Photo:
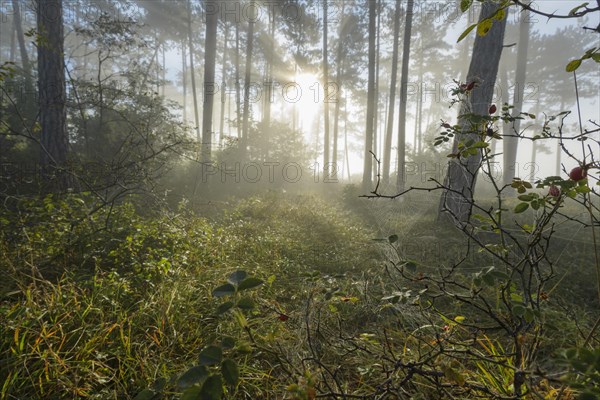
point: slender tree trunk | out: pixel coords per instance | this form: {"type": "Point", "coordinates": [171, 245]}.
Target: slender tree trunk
{"type": "Point", "coordinates": [13, 41]}
{"type": "Point", "coordinates": [346, 140]}
{"type": "Point", "coordinates": [223, 83]}
{"type": "Point", "coordinates": [400, 182]}
{"type": "Point", "coordinates": [511, 142]}
{"type": "Point", "coordinates": [52, 90]}
{"type": "Point", "coordinates": [164, 72]}
{"type": "Point", "coordinates": [247, 77]}
{"type": "Point", "coordinates": [376, 109]}
{"type": "Point", "coordinates": [326, 138]}
{"type": "Point", "coordinates": [558, 148]}
{"type": "Point", "coordinates": [387, 147]}
{"type": "Point", "coordinates": [368, 160]}
{"type": "Point", "coordinates": [184, 79]}
{"type": "Point", "coordinates": [269, 76]}
{"type": "Point", "coordinates": [193, 71]}
{"type": "Point", "coordinates": [25, 63]}
{"type": "Point", "coordinates": [338, 74]}
{"type": "Point", "coordinates": [210, 60]}
{"type": "Point", "coordinates": [238, 90]}
{"type": "Point", "coordinates": [506, 128]}
{"type": "Point", "coordinates": [419, 113]}
{"type": "Point", "coordinates": [456, 203]}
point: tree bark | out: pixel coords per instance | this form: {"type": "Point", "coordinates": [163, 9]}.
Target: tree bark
{"type": "Point", "coordinates": [368, 161]}
{"type": "Point", "coordinates": [52, 91]}
{"type": "Point", "coordinates": [192, 71]}
{"type": "Point", "coordinates": [25, 63]}
{"type": "Point", "coordinates": [247, 77]}
{"type": "Point", "coordinates": [210, 60]}
{"type": "Point", "coordinates": [326, 138]}
{"type": "Point", "coordinates": [223, 83]}
{"type": "Point", "coordinates": [387, 148]}
{"type": "Point", "coordinates": [456, 201]}
{"type": "Point", "coordinates": [511, 142]}
{"type": "Point", "coordinates": [376, 102]}
{"type": "Point", "coordinates": [401, 179]}
{"type": "Point", "coordinates": [338, 100]}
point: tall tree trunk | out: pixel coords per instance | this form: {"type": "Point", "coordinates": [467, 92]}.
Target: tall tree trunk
{"type": "Point", "coordinates": [456, 203]}
{"type": "Point", "coordinates": [338, 75]}
{"type": "Point", "coordinates": [511, 142]}
{"type": "Point", "coordinates": [387, 147]}
{"type": "Point", "coordinates": [247, 77]}
{"type": "Point", "coordinates": [193, 71]}
{"type": "Point", "coordinates": [210, 60]}
{"type": "Point", "coordinates": [238, 90]}
{"type": "Point", "coordinates": [419, 111]}
{"type": "Point", "coordinates": [25, 63]}
{"type": "Point", "coordinates": [223, 83]}
{"type": "Point", "coordinates": [269, 76]}
{"type": "Point", "coordinates": [376, 107]}
{"type": "Point", "coordinates": [506, 128]}
{"type": "Point", "coordinates": [368, 160]}
{"type": "Point", "coordinates": [326, 100]}
{"type": "Point", "coordinates": [558, 148]}
{"type": "Point", "coordinates": [52, 89]}
{"type": "Point", "coordinates": [346, 140]}
{"type": "Point", "coordinates": [184, 79]}
{"type": "Point", "coordinates": [400, 182]}
{"type": "Point", "coordinates": [13, 41]}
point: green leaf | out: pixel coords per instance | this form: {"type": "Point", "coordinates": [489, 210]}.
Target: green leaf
{"type": "Point", "coordinates": [146, 394]}
{"type": "Point", "coordinates": [192, 376]}
{"type": "Point", "coordinates": [228, 342]}
{"type": "Point", "coordinates": [224, 290]}
{"type": "Point", "coordinates": [459, 318]}
{"type": "Point", "coordinates": [249, 283]}
{"type": "Point", "coordinates": [573, 65]}
{"type": "Point", "coordinates": [488, 279]}
{"type": "Point", "coordinates": [484, 26]}
{"type": "Point", "coordinates": [521, 207]}
{"type": "Point", "coordinates": [245, 303]}
{"type": "Point", "coordinates": [211, 355]}
{"type": "Point", "coordinates": [596, 57]}
{"type": "Point", "coordinates": [230, 372]}
{"type": "Point", "coordinates": [192, 393]}
{"type": "Point", "coordinates": [528, 315]}
{"type": "Point", "coordinates": [212, 388]}
{"type": "Point", "coordinates": [411, 266]}
{"type": "Point", "coordinates": [518, 310]}
{"type": "Point", "coordinates": [525, 197]}
{"type": "Point", "coordinates": [535, 205]}
{"type": "Point", "coordinates": [500, 14]}
{"type": "Point", "coordinates": [393, 238]}
{"type": "Point", "coordinates": [465, 33]}
{"type": "Point", "coordinates": [576, 9]}
{"type": "Point", "coordinates": [465, 4]}
{"type": "Point", "coordinates": [527, 184]}
{"type": "Point", "coordinates": [480, 145]}
{"type": "Point", "coordinates": [236, 277]}
{"type": "Point", "coordinates": [223, 308]}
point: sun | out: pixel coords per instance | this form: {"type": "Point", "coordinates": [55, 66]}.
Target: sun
{"type": "Point", "coordinates": [308, 101]}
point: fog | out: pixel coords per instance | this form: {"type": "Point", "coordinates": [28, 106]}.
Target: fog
{"type": "Point", "coordinates": [299, 199]}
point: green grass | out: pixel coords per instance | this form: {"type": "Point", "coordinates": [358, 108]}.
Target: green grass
{"type": "Point", "coordinates": [104, 306]}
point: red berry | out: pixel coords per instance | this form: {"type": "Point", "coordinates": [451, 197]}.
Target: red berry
{"type": "Point", "coordinates": [471, 85]}
{"type": "Point", "coordinates": [578, 173]}
{"type": "Point", "coordinates": [283, 317]}
{"type": "Point", "coordinates": [492, 109]}
{"type": "Point", "coordinates": [554, 191]}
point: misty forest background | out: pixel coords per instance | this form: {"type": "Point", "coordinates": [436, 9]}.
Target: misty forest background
{"type": "Point", "coordinates": [378, 199]}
